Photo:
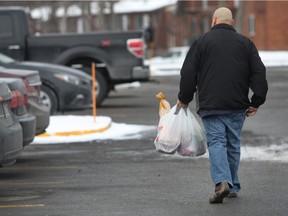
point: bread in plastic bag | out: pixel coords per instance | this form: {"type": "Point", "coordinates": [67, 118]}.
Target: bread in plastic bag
{"type": "Point", "coordinates": [164, 105]}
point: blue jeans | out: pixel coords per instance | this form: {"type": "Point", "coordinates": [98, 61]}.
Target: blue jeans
{"type": "Point", "coordinates": [223, 140]}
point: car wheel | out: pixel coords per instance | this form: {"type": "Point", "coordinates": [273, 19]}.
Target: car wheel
{"type": "Point", "coordinates": [102, 88]}
{"type": "Point", "coordinates": [49, 98]}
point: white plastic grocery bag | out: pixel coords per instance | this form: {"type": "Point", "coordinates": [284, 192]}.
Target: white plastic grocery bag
{"type": "Point", "coordinates": [193, 142]}
{"type": "Point", "coordinates": [169, 132]}
{"type": "Point", "coordinates": [178, 130]}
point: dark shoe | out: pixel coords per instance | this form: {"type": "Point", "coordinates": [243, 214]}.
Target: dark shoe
{"type": "Point", "coordinates": [232, 195]}
{"type": "Point", "coordinates": [221, 191]}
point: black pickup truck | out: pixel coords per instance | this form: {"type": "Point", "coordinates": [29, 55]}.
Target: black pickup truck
{"type": "Point", "coordinates": [118, 56]}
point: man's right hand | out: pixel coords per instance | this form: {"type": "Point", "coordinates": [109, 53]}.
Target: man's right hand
{"type": "Point", "coordinates": [251, 111]}
{"type": "Point", "coordinates": [180, 104]}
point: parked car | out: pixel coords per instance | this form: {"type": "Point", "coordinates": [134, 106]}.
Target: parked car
{"type": "Point", "coordinates": [11, 137]}
{"type": "Point", "coordinates": [33, 83]}
{"type": "Point", "coordinates": [168, 64]}
{"type": "Point", "coordinates": [18, 105]}
{"type": "Point", "coordinates": [62, 89]}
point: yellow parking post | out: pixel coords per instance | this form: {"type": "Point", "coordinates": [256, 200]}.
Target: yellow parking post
{"type": "Point", "coordinates": [94, 90]}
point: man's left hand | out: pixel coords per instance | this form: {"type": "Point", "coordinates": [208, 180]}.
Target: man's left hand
{"type": "Point", "coordinates": [251, 111]}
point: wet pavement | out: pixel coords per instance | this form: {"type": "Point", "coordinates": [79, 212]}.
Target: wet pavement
{"type": "Point", "coordinates": [128, 178]}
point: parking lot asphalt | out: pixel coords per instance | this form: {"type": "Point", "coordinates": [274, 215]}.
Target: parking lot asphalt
{"type": "Point", "coordinates": [129, 178]}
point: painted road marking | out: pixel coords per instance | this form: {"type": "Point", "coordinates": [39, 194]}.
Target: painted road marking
{"type": "Point", "coordinates": [34, 183]}
{"type": "Point", "coordinates": [22, 206]}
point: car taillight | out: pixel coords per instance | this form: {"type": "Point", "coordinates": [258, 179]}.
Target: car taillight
{"type": "Point", "coordinates": [26, 99]}
{"type": "Point", "coordinates": [136, 47]}
{"type": "Point", "coordinates": [17, 99]}
{"type": "Point", "coordinates": [32, 91]}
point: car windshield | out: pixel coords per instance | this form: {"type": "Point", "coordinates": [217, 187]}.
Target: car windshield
{"type": "Point", "coordinates": [6, 59]}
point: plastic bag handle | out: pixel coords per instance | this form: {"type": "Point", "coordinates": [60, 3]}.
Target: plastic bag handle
{"type": "Point", "coordinates": [178, 109]}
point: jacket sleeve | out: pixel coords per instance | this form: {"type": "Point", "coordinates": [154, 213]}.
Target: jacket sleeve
{"type": "Point", "coordinates": [258, 82]}
{"type": "Point", "coordinates": [189, 72]}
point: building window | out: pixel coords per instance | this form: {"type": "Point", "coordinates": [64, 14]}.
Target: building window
{"type": "Point", "coordinates": [80, 25]}
{"type": "Point", "coordinates": [236, 3]}
{"type": "Point", "coordinates": [206, 24]}
{"type": "Point", "coordinates": [193, 30]}
{"type": "Point", "coordinates": [251, 25]}
{"type": "Point", "coordinates": [125, 23]}
{"type": "Point", "coordinates": [204, 4]}
{"type": "Point", "coordinates": [146, 21]}
{"type": "Point", "coordinates": [139, 22]}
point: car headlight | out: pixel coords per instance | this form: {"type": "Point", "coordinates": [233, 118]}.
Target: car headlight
{"type": "Point", "coordinates": [68, 78]}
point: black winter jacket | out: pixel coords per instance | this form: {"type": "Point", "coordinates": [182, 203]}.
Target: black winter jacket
{"type": "Point", "coordinates": [222, 65]}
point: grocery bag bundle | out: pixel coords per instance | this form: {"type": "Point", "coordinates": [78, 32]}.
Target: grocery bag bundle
{"type": "Point", "coordinates": [178, 131]}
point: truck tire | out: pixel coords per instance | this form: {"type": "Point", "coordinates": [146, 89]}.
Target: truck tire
{"type": "Point", "coordinates": [49, 98]}
{"type": "Point", "coordinates": [102, 88]}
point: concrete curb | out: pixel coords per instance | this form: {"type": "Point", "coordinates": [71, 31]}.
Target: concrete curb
{"type": "Point", "coordinates": [83, 125]}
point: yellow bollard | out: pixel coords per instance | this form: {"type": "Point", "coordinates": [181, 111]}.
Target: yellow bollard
{"type": "Point", "coordinates": [94, 90]}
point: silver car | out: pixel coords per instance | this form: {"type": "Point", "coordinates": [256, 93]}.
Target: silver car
{"type": "Point", "coordinates": [11, 137]}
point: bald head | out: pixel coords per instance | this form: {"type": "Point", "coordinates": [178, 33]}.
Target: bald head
{"type": "Point", "coordinates": [222, 15]}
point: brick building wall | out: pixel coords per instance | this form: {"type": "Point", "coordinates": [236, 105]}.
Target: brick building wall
{"type": "Point", "coordinates": [267, 19]}
{"type": "Point", "coordinates": [271, 19]}
{"type": "Point", "coordinates": [277, 19]}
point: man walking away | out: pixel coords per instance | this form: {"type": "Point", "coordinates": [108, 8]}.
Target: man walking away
{"type": "Point", "coordinates": [222, 65]}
